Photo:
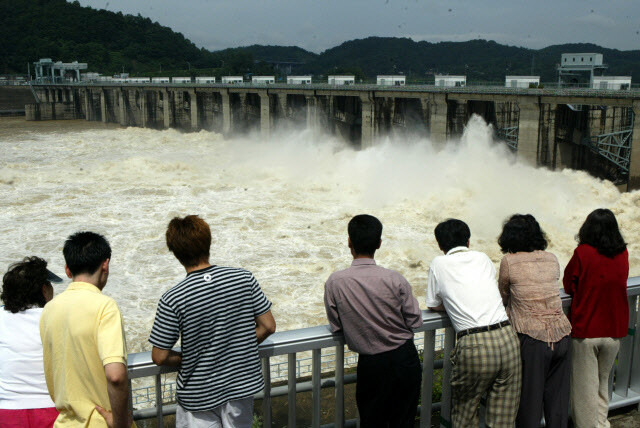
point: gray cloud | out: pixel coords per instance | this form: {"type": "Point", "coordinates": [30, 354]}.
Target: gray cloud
{"type": "Point", "coordinates": [317, 25]}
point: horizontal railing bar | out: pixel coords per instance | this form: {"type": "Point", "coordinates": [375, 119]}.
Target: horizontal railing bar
{"type": "Point", "coordinates": [307, 339]}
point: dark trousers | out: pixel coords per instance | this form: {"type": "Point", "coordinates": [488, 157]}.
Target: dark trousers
{"type": "Point", "coordinates": [388, 387]}
{"type": "Point", "coordinates": [545, 383]}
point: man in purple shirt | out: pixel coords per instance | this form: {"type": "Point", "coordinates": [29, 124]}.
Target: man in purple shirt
{"type": "Point", "coordinates": [376, 311]}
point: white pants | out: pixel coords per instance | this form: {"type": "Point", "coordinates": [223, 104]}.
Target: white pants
{"type": "Point", "coordinates": [234, 414]}
{"type": "Point", "coordinates": [591, 364]}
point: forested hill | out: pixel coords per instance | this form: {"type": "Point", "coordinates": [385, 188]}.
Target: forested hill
{"type": "Point", "coordinates": [112, 42]}
{"type": "Point", "coordinates": [478, 59]}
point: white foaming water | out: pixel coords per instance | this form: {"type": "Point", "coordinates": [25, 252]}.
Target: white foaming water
{"type": "Point", "coordinates": [278, 208]}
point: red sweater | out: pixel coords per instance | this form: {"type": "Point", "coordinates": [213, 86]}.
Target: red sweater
{"type": "Point", "coordinates": [599, 287]}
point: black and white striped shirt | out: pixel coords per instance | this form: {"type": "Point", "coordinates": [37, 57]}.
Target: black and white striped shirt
{"type": "Point", "coordinates": [213, 311]}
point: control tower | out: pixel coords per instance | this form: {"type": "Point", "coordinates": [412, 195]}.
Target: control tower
{"type": "Point", "coordinates": [574, 65]}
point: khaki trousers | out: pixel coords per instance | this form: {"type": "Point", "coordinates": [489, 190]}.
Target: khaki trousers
{"type": "Point", "coordinates": [591, 364]}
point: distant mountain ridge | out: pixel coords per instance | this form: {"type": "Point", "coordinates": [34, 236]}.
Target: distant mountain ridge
{"type": "Point", "coordinates": [112, 42]}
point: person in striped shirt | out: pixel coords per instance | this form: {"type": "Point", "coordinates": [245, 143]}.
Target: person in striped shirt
{"type": "Point", "coordinates": [220, 315]}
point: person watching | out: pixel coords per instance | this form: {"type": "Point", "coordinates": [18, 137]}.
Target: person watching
{"type": "Point", "coordinates": [596, 277]}
{"type": "Point", "coordinates": [375, 309]}
{"type": "Point", "coordinates": [530, 291]}
{"type": "Point", "coordinates": [221, 315]}
{"type": "Point", "coordinates": [486, 357]}
{"type": "Point", "coordinates": [24, 398]}
{"type": "Point", "coordinates": [83, 339]}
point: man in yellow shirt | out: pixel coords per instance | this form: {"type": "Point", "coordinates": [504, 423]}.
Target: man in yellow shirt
{"type": "Point", "coordinates": [84, 349]}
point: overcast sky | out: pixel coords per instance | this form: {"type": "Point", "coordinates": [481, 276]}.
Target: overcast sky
{"type": "Point", "coordinates": [317, 25]}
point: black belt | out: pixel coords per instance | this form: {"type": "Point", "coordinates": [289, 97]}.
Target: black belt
{"type": "Point", "coordinates": [473, 330]}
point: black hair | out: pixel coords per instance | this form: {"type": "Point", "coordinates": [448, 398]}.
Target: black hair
{"type": "Point", "coordinates": [601, 231]}
{"type": "Point", "coordinates": [522, 232]}
{"type": "Point", "coordinates": [22, 284]}
{"type": "Point", "coordinates": [84, 252]}
{"type": "Point", "coordinates": [365, 232]}
{"type": "Point", "coordinates": [452, 233]}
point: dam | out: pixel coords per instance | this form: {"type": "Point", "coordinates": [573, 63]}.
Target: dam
{"type": "Point", "coordinates": [588, 129]}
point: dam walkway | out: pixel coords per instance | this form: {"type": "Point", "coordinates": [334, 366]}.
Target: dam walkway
{"type": "Point", "coordinates": [289, 345]}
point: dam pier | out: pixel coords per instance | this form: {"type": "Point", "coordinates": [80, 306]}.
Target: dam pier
{"type": "Point", "coordinates": [589, 129]}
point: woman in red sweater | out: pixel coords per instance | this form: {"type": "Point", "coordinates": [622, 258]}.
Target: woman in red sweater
{"type": "Point", "coordinates": [596, 277]}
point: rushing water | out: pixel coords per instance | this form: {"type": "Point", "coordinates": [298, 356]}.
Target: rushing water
{"type": "Point", "coordinates": [277, 207]}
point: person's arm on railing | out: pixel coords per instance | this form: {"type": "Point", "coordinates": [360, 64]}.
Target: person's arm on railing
{"type": "Point", "coordinates": [504, 284]}
{"type": "Point", "coordinates": [331, 308]}
{"type": "Point", "coordinates": [571, 274]}
{"type": "Point", "coordinates": [434, 301]}
{"type": "Point", "coordinates": [118, 389]}
{"type": "Point", "coordinates": [166, 357]}
{"type": "Point", "coordinates": [265, 326]}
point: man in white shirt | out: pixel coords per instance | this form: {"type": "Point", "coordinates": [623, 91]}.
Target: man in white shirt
{"type": "Point", "coordinates": [486, 358]}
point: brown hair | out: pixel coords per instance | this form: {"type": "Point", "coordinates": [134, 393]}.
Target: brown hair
{"type": "Point", "coordinates": [189, 239]}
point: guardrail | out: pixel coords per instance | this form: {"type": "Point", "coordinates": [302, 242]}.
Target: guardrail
{"type": "Point", "coordinates": [361, 87]}
{"type": "Point", "coordinates": [624, 385]}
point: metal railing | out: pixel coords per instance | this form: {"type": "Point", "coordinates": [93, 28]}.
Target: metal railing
{"type": "Point", "coordinates": [633, 93]}
{"type": "Point", "coordinates": [625, 384]}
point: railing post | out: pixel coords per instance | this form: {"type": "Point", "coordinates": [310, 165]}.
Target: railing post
{"type": "Point", "coordinates": [159, 418]}
{"type": "Point", "coordinates": [291, 390]}
{"type": "Point", "coordinates": [427, 378]}
{"type": "Point", "coordinates": [634, 378]}
{"type": "Point", "coordinates": [625, 355]}
{"type": "Point", "coordinates": [315, 386]}
{"type": "Point", "coordinates": [445, 412]}
{"type": "Point", "coordinates": [266, 401]}
{"type": "Point", "coordinates": [339, 387]}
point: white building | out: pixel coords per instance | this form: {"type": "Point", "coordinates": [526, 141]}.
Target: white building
{"type": "Point", "coordinates": [450, 81]}
{"type": "Point", "coordinates": [263, 80]}
{"type": "Point", "coordinates": [521, 81]}
{"type": "Point", "coordinates": [341, 80]}
{"type": "Point", "coordinates": [586, 60]}
{"type": "Point", "coordinates": [298, 80]}
{"type": "Point", "coordinates": [89, 77]}
{"type": "Point", "coordinates": [160, 80]}
{"type": "Point", "coordinates": [392, 80]}
{"type": "Point", "coordinates": [105, 79]}
{"type": "Point", "coordinates": [204, 79]}
{"type": "Point", "coordinates": [138, 79]}
{"type": "Point", "coordinates": [611, 82]}
{"type": "Point", "coordinates": [232, 80]}
{"type": "Point", "coordinates": [181, 79]}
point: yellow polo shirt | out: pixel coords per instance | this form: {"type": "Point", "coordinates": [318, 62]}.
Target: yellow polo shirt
{"type": "Point", "coordinates": [81, 331]}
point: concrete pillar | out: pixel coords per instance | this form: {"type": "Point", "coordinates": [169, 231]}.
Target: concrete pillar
{"type": "Point", "coordinates": [634, 158]}
{"type": "Point", "coordinates": [528, 131]}
{"type": "Point", "coordinates": [88, 105]}
{"type": "Point", "coordinates": [265, 114]}
{"type": "Point", "coordinates": [437, 108]}
{"type": "Point", "coordinates": [103, 106]}
{"type": "Point", "coordinates": [166, 108]}
{"type": "Point", "coordinates": [368, 116]}
{"type": "Point", "coordinates": [226, 112]}
{"type": "Point", "coordinates": [194, 110]}
{"type": "Point", "coordinates": [312, 112]}
{"type": "Point", "coordinates": [144, 109]}
{"type": "Point", "coordinates": [123, 108]}
{"type": "Point", "coordinates": [551, 133]}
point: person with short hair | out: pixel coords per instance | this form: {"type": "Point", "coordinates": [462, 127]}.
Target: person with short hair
{"type": "Point", "coordinates": [486, 357]}
{"type": "Point", "coordinates": [24, 398]}
{"type": "Point", "coordinates": [220, 314]}
{"type": "Point", "coordinates": [528, 283]}
{"type": "Point", "coordinates": [596, 278]}
{"type": "Point", "coordinates": [83, 339]}
{"type": "Point", "coordinates": [376, 311]}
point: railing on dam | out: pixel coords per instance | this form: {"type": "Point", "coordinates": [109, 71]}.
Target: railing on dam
{"type": "Point", "coordinates": [624, 385]}
{"type": "Point", "coordinates": [632, 93]}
